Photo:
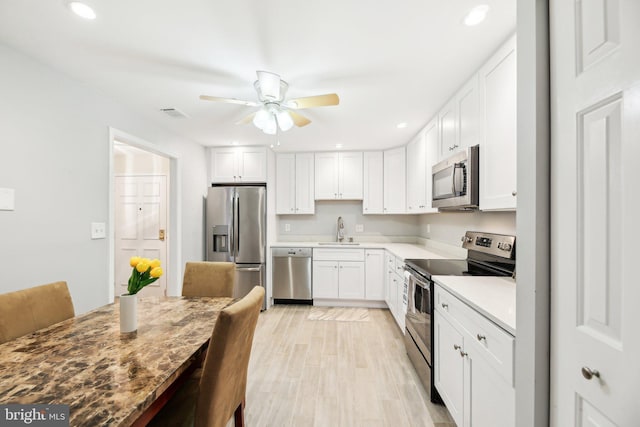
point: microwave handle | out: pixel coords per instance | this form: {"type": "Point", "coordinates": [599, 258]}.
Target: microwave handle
{"type": "Point", "coordinates": [457, 168]}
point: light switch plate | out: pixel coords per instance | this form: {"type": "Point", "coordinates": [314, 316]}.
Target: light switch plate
{"type": "Point", "coordinates": [98, 230]}
{"type": "Point", "coordinates": [359, 228]}
{"type": "Point", "coordinates": [7, 199]}
{"type": "Point", "coordinates": [287, 227]}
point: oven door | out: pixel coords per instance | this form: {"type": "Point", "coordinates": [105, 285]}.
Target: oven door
{"type": "Point", "coordinates": [418, 318]}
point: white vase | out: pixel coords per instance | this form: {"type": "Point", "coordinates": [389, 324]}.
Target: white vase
{"type": "Point", "coordinates": [128, 313]}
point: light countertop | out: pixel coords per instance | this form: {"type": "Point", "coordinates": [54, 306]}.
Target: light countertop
{"type": "Point", "coordinates": [400, 250]}
{"type": "Point", "coordinates": [494, 297]}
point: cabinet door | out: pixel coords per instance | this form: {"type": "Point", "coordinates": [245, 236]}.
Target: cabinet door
{"type": "Point", "coordinates": [491, 398]}
{"type": "Point", "coordinates": [448, 366]}
{"type": "Point", "coordinates": [285, 183]}
{"type": "Point", "coordinates": [393, 293]}
{"type": "Point", "coordinates": [326, 176]}
{"type": "Point", "coordinates": [395, 181]}
{"type": "Point", "coordinates": [305, 202]}
{"type": "Point", "coordinates": [432, 145]}
{"type": "Point", "coordinates": [351, 280]}
{"type": "Point", "coordinates": [499, 133]}
{"type": "Point", "coordinates": [325, 279]}
{"type": "Point", "coordinates": [374, 275]}
{"type": "Point", "coordinates": [467, 105]}
{"type": "Point", "coordinates": [252, 164]}
{"type": "Point", "coordinates": [447, 122]}
{"type": "Point", "coordinates": [416, 177]}
{"type": "Point", "coordinates": [372, 202]}
{"type": "Point", "coordinates": [350, 176]}
{"type": "Point", "coordinates": [224, 165]}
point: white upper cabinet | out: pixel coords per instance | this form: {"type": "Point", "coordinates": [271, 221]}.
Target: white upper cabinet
{"type": "Point", "coordinates": [338, 176]}
{"type": "Point", "coordinates": [422, 153]}
{"type": "Point", "coordinates": [459, 120]}
{"type": "Point", "coordinates": [372, 200]}
{"type": "Point", "coordinates": [499, 130]}
{"type": "Point", "coordinates": [395, 199]}
{"type": "Point", "coordinates": [285, 183]}
{"type": "Point", "coordinates": [238, 164]}
{"type": "Point", "coordinates": [294, 183]}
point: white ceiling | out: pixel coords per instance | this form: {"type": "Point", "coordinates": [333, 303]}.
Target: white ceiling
{"type": "Point", "coordinates": [390, 61]}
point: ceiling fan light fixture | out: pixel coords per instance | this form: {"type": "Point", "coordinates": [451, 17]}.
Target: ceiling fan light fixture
{"type": "Point", "coordinates": [284, 120]}
{"type": "Point", "coordinates": [271, 128]}
{"type": "Point", "coordinates": [262, 118]}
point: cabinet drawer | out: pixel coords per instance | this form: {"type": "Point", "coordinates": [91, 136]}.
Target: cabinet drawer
{"type": "Point", "coordinates": [492, 343]}
{"type": "Point", "coordinates": [389, 261]}
{"type": "Point", "coordinates": [338, 254]}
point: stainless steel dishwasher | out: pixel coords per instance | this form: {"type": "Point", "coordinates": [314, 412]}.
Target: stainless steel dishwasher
{"type": "Point", "coordinates": [292, 275]}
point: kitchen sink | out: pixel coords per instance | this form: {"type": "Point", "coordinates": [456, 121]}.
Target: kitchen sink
{"type": "Point", "coordinates": [339, 243]}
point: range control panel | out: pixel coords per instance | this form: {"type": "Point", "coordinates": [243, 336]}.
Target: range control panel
{"type": "Point", "coordinates": [501, 245]}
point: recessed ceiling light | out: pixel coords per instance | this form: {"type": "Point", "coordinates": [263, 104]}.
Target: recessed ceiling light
{"type": "Point", "coordinates": [82, 10]}
{"type": "Point", "coordinates": [339, 145]}
{"type": "Point", "coordinates": [476, 15]}
{"type": "Point", "coordinates": [401, 125]}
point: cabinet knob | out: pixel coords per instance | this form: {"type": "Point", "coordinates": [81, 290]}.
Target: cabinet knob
{"type": "Point", "coordinates": [463, 353]}
{"type": "Point", "coordinates": [514, 193]}
{"type": "Point", "coordinates": [341, 195]}
{"type": "Point", "coordinates": [456, 347]}
{"type": "Point", "coordinates": [297, 209]}
{"type": "Point", "coordinates": [589, 373]}
{"type": "Point", "coordinates": [481, 337]}
{"type": "Point", "coordinates": [366, 209]}
{"type": "Point", "coordinates": [444, 305]}
{"type": "Point", "coordinates": [240, 176]}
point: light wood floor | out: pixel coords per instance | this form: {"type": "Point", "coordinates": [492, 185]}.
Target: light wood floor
{"type": "Point", "coordinates": [334, 373]}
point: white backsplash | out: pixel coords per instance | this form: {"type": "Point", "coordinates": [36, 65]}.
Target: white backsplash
{"type": "Point", "coordinates": [444, 228]}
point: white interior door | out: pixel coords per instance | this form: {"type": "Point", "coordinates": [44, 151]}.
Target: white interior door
{"type": "Point", "coordinates": [595, 200]}
{"type": "Point", "coordinates": [140, 227]}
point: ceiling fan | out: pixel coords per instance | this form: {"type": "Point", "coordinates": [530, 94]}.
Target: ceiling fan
{"type": "Point", "coordinates": [276, 112]}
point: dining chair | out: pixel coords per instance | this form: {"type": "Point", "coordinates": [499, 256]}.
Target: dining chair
{"type": "Point", "coordinates": [27, 310]}
{"type": "Point", "coordinates": [217, 392]}
{"type": "Point", "coordinates": [208, 279]}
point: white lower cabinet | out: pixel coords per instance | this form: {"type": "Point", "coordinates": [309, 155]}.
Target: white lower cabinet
{"type": "Point", "coordinates": [473, 365]}
{"type": "Point", "coordinates": [394, 288]}
{"type": "Point", "coordinates": [374, 275]}
{"type": "Point", "coordinates": [338, 274]}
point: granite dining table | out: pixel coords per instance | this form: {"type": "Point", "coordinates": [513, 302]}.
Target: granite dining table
{"type": "Point", "coordinates": [108, 378]}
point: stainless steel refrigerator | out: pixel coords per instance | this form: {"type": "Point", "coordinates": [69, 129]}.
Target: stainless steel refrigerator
{"type": "Point", "coordinates": [236, 232]}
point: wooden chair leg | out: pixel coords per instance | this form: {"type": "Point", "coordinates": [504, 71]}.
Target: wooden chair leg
{"type": "Point", "coordinates": [239, 415]}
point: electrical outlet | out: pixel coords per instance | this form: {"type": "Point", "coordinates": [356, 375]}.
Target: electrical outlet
{"type": "Point", "coordinates": [359, 228]}
{"type": "Point", "coordinates": [287, 227]}
{"type": "Point", "coordinates": [98, 230]}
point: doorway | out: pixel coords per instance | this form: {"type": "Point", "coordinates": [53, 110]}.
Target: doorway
{"type": "Point", "coordinates": [143, 189]}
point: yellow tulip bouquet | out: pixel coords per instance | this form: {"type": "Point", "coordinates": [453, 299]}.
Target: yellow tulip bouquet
{"type": "Point", "coordinates": [145, 272]}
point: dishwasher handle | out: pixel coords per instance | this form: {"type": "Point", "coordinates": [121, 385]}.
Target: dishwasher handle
{"type": "Point", "coordinates": [291, 252]}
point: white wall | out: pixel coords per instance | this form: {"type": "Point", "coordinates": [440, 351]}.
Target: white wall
{"type": "Point", "coordinates": [449, 227]}
{"type": "Point", "coordinates": [324, 223]}
{"type": "Point", "coordinates": [54, 145]}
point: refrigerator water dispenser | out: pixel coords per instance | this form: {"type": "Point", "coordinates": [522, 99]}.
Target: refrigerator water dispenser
{"type": "Point", "coordinates": [220, 238]}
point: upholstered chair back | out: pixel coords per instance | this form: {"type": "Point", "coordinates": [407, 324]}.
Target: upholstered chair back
{"type": "Point", "coordinates": [208, 279]}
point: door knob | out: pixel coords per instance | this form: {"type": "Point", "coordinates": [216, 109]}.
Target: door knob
{"type": "Point", "coordinates": [589, 373]}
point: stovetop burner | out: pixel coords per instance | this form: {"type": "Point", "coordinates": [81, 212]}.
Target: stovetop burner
{"type": "Point", "coordinates": [488, 255]}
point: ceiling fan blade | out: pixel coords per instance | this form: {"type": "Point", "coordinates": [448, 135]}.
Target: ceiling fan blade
{"type": "Point", "coordinates": [246, 119]}
{"type": "Point", "coordinates": [314, 101]}
{"type": "Point", "coordinates": [298, 119]}
{"type": "Point", "coordinates": [229, 100]}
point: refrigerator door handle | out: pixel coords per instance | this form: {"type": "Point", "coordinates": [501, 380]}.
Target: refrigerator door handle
{"type": "Point", "coordinates": [248, 268]}
{"type": "Point", "coordinates": [237, 221]}
{"type": "Point", "coordinates": [232, 228]}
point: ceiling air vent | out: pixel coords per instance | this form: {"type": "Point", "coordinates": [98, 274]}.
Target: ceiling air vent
{"type": "Point", "coordinates": [174, 112]}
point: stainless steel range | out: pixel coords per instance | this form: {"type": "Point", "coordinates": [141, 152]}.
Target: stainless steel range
{"type": "Point", "coordinates": [488, 255]}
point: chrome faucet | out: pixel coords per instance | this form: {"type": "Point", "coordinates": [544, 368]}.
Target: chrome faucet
{"type": "Point", "coordinates": [340, 235]}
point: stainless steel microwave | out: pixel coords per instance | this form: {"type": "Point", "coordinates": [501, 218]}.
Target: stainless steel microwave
{"type": "Point", "coordinates": [455, 181]}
